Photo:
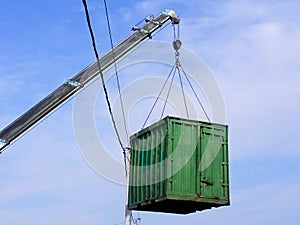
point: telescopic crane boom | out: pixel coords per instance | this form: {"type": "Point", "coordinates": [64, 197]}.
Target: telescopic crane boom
{"type": "Point", "coordinates": [63, 93]}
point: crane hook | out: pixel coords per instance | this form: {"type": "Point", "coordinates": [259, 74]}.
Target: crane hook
{"type": "Point", "coordinates": [177, 45]}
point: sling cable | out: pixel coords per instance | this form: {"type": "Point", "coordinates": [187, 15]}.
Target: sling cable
{"type": "Point", "coordinates": [177, 67]}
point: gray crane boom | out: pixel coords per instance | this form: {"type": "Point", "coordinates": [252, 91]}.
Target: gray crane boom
{"type": "Point", "coordinates": [63, 93]}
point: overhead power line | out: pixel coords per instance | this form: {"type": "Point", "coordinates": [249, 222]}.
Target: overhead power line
{"type": "Point", "coordinates": [101, 75]}
{"type": "Point", "coordinates": [116, 71]}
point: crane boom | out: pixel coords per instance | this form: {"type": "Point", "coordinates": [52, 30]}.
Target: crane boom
{"type": "Point", "coordinates": [63, 93]}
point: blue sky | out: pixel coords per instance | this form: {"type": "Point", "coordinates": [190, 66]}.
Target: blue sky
{"type": "Point", "coordinates": [251, 46]}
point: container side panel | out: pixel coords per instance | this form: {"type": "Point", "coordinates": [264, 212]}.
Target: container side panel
{"type": "Point", "coordinates": [143, 152]}
{"type": "Point", "coordinates": [163, 160]}
{"type": "Point", "coordinates": [184, 168]}
{"type": "Point", "coordinates": [153, 148]}
{"type": "Point", "coordinates": [147, 166]}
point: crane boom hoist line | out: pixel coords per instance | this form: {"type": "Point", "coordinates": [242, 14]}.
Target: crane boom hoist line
{"type": "Point", "coordinates": [64, 92]}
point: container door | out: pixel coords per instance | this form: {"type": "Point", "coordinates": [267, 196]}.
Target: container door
{"type": "Point", "coordinates": [182, 166]}
{"type": "Point", "coordinates": [211, 166]}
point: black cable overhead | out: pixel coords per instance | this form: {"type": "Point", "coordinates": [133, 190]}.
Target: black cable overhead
{"type": "Point", "coordinates": [116, 71]}
{"type": "Point", "coordinates": [102, 77]}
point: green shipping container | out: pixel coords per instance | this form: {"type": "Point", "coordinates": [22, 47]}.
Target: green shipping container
{"type": "Point", "coordinates": [179, 166]}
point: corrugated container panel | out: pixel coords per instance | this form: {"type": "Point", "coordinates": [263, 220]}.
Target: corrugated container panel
{"type": "Point", "coordinates": [179, 166]}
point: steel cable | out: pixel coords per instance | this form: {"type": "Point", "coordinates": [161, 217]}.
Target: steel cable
{"type": "Point", "coordinates": [160, 92]}
{"type": "Point", "coordinates": [168, 94]}
{"type": "Point", "coordinates": [183, 94]}
{"type": "Point", "coordinates": [202, 107]}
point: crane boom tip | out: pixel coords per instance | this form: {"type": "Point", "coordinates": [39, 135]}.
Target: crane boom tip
{"type": "Point", "coordinates": [172, 14]}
